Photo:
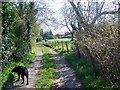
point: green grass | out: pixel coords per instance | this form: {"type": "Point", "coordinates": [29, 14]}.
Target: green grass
{"type": "Point", "coordinates": [85, 74]}
{"type": "Point", "coordinates": [47, 74]}
{"type": "Point", "coordinates": [60, 39]}
{"type": "Point", "coordinates": [84, 71]}
{"type": "Point", "coordinates": [8, 76]}
{"type": "Point", "coordinates": [60, 44]}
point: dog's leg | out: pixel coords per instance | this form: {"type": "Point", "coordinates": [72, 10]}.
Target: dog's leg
{"type": "Point", "coordinates": [26, 74]}
{"type": "Point", "coordinates": [27, 80]}
{"type": "Point", "coordinates": [22, 76]}
{"type": "Point", "coordinates": [18, 78]}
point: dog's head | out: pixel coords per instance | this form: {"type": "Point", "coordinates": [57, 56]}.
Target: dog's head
{"type": "Point", "coordinates": [13, 70]}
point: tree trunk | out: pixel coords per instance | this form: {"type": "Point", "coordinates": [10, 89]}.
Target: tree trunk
{"type": "Point", "coordinates": [118, 55]}
{"type": "Point", "coordinates": [94, 64]}
{"type": "Point", "coordinates": [77, 50]}
{"type": "Point", "coordinates": [72, 36]}
{"type": "Point", "coordinates": [28, 34]}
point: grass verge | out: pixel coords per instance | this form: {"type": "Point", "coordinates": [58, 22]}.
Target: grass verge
{"type": "Point", "coordinates": [47, 73]}
{"type": "Point", "coordinates": [85, 74]}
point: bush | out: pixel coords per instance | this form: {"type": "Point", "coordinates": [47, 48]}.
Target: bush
{"type": "Point", "coordinates": [102, 45]}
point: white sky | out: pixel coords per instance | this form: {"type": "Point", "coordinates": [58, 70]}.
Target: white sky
{"type": "Point", "coordinates": [56, 5]}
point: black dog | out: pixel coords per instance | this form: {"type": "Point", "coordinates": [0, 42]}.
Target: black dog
{"type": "Point", "coordinates": [23, 71]}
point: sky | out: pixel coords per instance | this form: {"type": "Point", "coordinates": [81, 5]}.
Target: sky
{"type": "Point", "coordinates": [56, 5]}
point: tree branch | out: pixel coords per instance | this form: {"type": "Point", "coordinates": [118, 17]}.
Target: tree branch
{"type": "Point", "coordinates": [101, 7]}
{"type": "Point", "coordinates": [103, 13]}
{"type": "Point", "coordinates": [77, 12]}
{"type": "Point", "coordinates": [67, 25]}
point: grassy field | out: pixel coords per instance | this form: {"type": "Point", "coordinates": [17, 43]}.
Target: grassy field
{"type": "Point", "coordinates": [47, 74]}
{"type": "Point", "coordinates": [64, 44]}
{"type": "Point", "coordinates": [60, 39]}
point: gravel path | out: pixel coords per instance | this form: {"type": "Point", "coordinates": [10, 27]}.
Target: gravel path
{"type": "Point", "coordinates": [65, 75]}
{"type": "Point", "coordinates": [33, 73]}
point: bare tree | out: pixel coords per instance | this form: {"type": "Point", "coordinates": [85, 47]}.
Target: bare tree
{"type": "Point", "coordinates": [87, 15]}
{"type": "Point", "coordinates": [81, 18]}
{"type": "Point", "coordinates": [68, 19]}
{"type": "Point", "coordinates": [45, 14]}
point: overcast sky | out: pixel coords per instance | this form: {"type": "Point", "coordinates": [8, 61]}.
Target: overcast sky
{"type": "Point", "coordinates": [56, 6]}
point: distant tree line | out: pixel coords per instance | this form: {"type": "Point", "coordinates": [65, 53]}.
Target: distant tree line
{"type": "Point", "coordinates": [45, 35]}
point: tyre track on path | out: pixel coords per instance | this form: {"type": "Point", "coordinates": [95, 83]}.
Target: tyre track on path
{"type": "Point", "coordinates": [65, 75]}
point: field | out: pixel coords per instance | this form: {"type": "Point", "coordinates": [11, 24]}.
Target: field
{"type": "Point", "coordinates": [64, 44]}
{"type": "Point", "coordinates": [60, 39]}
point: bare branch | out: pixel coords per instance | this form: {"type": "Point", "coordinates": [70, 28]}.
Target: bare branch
{"type": "Point", "coordinates": [103, 13]}
{"type": "Point", "coordinates": [101, 7]}
{"type": "Point", "coordinates": [79, 16]}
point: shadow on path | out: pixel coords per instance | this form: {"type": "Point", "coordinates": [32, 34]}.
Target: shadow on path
{"type": "Point", "coordinates": [65, 75]}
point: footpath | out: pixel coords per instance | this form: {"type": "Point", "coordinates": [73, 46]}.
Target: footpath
{"type": "Point", "coordinates": [65, 77]}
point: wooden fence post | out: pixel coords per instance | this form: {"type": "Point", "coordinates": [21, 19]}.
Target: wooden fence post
{"type": "Point", "coordinates": [58, 44]}
{"type": "Point", "coordinates": [67, 46]}
{"type": "Point", "coordinates": [62, 46]}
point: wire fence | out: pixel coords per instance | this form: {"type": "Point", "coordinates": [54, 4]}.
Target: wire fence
{"type": "Point", "coordinates": [60, 45]}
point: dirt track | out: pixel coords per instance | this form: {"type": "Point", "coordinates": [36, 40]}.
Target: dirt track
{"type": "Point", "coordinates": [65, 75]}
